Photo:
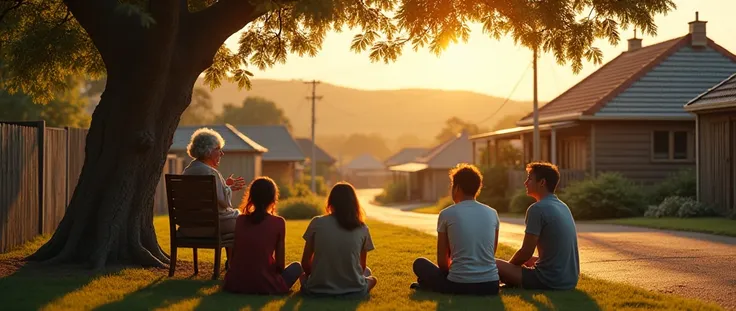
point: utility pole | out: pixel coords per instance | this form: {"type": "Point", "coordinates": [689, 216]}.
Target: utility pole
{"type": "Point", "coordinates": [313, 158]}
{"type": "Point", "coordinates": [535, 112]}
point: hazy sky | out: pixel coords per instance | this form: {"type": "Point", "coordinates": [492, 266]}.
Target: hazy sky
{"type": "Point", "coordinates": [483, 64]}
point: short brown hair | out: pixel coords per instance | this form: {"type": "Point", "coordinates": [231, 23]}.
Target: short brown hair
{"type": "Point", "coordinates": [467, 178]}
{"type": "Point", "coordinates": [546, 171]}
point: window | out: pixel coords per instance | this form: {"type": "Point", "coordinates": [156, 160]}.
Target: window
{"type": "Point", "coordinates": [672, 145]}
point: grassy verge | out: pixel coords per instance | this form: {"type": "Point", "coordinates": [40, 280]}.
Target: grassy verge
{"type": "Point", "coordinates": [713, 225]}
{"type": "Point", "coordinates": [33, 287]}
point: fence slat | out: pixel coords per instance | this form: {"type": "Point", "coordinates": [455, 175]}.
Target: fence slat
{"type": "Point", "coordinates": [55, 178]}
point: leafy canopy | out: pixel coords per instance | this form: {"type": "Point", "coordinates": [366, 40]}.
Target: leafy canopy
{"type": "Point", "coordinates": [42, 44]}
{"type": "Point", "coordinates": [254, 111]}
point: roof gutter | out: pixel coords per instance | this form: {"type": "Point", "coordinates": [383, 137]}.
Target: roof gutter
{"type": "Point", "coordinates": [703, 107]}
{"type": "Point", "coordinates": [636, 118]}
{"type": "Point", "coordinates": [556, 118]}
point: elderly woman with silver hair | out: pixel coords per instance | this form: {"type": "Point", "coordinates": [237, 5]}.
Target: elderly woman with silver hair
{"type": "Point", "coordinates": [205, 147]}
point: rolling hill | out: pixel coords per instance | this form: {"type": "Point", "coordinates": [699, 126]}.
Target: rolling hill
{"type": "Point", "coordinates": [389, 113]}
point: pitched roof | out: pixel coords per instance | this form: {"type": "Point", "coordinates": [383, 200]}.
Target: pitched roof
{"type": "Point", "coordinates": [234, 139]}
{"type": "Point", "coordinates": [652, 81]}
{"type": "Point", "coordinates": [405, 155]}
{"type": "Point", "coordinates": [305, 144]}
{"type": "Point", "coordinates": [281, 145]}
{"type": "Point", "coordinates": [365, 162]}
{"type": "Point", "coordinates": [721, 95]}
{"type": "Point", "coordinates": [450, 153]}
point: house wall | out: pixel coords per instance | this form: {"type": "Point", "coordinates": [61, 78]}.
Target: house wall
{"type": "Point", "coordinates": [573, 147]}
{"type": "Point", "coordinates": [435, 183]}
{"type": "Point", "coordinates": [280, 171]}
{"type": "Point", "coordinates": [627, 147]}
{"type": "Point", "coordinates": [717, 131]}
{"type": "Point", "coordinates": [245, 164]}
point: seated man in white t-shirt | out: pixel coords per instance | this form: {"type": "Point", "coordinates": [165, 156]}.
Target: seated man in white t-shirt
{"type": "Point", "coordinates": [467, 237]}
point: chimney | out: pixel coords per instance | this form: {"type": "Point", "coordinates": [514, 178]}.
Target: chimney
{"type": "Point", "coordinates": [634, 43]}
{"type": "Point", "coordinates": [697, 32]}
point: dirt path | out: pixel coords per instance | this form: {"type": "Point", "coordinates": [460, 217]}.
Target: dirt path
{"type": "Point", "coordinates": [684, 263]}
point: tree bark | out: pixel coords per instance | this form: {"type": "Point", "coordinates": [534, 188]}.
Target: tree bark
{"type": "Point", "coordinates": [150, 76]}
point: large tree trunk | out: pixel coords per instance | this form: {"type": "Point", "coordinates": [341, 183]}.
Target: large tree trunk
{"type": "Point", "coordinates": [110, 217]}
{"type": "Point", "coordinates": [151, 71]}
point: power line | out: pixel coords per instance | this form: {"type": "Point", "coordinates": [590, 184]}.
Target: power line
{"type": "Point", "coordinates": [508, 97]}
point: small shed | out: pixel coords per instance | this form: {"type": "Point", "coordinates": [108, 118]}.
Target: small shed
{"type": "Point", "coordinates": [715, 119]}
{"type": "Point", "coordinates": [243, 156]}
{"type": "Point", "coordinates": [282, 161]}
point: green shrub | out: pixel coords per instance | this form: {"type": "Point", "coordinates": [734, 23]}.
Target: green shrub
{"type": "Point", "coordinates": [320, 185]}
{"type": "Point", "coordinates": [443, 203]}
{"type": "Point", "coordinates": [610, 195]}
{"type": "Point", "coordinates": [301, 207]}
{"type": "Point", "coordinates": [393, 192]}
{"type": "Point", "coordinates": [681, 184]}
{"type": "Point", "coordinates": [683, 207]}
{"type": "Point", "coordinates": [520, 202]}
{"type": "Point", "coordinates": [495, 187]}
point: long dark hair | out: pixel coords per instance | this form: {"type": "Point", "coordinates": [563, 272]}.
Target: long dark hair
{"type": "Point", "coordinates": [343, 204]}
{"type": "Point", "coordinates": [260, 199]}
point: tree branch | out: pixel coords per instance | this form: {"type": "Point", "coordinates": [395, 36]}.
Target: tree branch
{"type": "Point", "coordinates": [98, 20]}
{"type": "Point", "coordinates": [223, 19]}
{"type": "Point", "coordinates": [17, 4]}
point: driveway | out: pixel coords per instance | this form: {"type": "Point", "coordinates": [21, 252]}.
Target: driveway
{"type": "Point", "coordinates": [689, 264]}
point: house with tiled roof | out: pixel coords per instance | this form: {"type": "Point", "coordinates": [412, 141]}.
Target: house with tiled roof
{"type": "Point", "coordinates": [426, 175]}
{"type": "Point", "coordinates": [283, 160]}
{"type": "Point", "coordinates": [627, 116]}
{"type": "Point", "coordinates": [242, 155]}
{"type": "Point", "coordinates": [715, 132]}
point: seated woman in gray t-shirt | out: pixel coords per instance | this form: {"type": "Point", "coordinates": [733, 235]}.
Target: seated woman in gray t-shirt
{"type": "Point", "coordinates": [467, 234]}
{"type": "Point", "coordinates": [336, 248]}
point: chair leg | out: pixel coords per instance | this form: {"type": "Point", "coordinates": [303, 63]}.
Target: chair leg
{"type": "Point", "coordinates": [172, 265]}
{"type": "Point", "coordinates": [218, 257]}
{"type": "Point", "coordinates": [196, 264]}
{"type": "Point", "coordinates": [227, 257]}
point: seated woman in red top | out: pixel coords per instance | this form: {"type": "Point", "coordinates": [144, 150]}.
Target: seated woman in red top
{"type": "Point", "coordinates": [257, 263]}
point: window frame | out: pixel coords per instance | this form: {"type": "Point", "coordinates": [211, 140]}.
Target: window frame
{"type": "Point", "coordinates": [671, 147]}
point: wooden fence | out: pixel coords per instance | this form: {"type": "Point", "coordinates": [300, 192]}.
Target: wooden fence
{"type": "Point", "coordinates": [39, 170]}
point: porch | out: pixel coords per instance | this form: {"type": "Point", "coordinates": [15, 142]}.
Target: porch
{"type": "Point", "coordinates": [565, 144]}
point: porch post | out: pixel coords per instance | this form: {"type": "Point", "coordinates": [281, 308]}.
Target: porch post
{"type": "Point", "coordinates": [408, 186]}
{"type": "Point", "coordinates": [592, 150]}
{"type": "Point", "coordinates": [474, 161]}
{"type": "Point", "coordinates": [553, 148]}
{"type": "Point", "coordinates": [488, 152]}
{"type": "Point", "coordinates": [697, 157]}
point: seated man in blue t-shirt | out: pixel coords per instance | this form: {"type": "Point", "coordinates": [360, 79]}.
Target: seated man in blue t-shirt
{"type": "Point", "coordinates": [550, 229]}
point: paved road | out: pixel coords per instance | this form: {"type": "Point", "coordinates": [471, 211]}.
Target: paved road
{"type": "Point", "coordinates": [688, 264]}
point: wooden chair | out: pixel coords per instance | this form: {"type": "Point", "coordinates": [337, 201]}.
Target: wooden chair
{"type": "Point", "coordinates": [193, 204]}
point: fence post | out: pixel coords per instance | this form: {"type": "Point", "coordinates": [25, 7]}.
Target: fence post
{"type": "Point", "coordinates": [66, 178]}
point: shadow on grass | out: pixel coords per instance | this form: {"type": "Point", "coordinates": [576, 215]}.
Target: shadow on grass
{"type": "Point", "coordinates": [21, 289]}
{"type": "Point", "coordinates": [547, 300]}
{"type": "Point", "coordinates": [298, 302]}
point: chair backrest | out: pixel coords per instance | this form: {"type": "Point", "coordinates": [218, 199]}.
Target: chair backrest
{"type": "Point", "coordinates": [192, 202]}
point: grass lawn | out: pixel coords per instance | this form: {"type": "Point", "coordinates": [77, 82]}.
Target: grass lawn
{"type": "Point", "coordinates": [33, 287]}
{"type": "Point", "coordinates": [714, 225]}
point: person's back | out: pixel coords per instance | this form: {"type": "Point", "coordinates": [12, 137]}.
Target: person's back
{"type": "Point", "coordinates": [559, 265]}
{"type": "Point", "coordinates": [253, 268]}
{"type": "Point", "coordinates": [336, 267]}
{"type": "Point", "coordinates": [471, 228]}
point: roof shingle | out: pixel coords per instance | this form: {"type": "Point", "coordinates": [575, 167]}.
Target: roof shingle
{"type": "Point", "coordinates": [281, 145]}
{"type": "Point", "coordinates": [234, 140]}
{"type": "Point", "coordinates": [722, 93]}
{"type": "Point", "coordinates": [305, 144]}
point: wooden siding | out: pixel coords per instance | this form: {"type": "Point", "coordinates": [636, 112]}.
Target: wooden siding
{"type": "Point", "coordinates": [717, 149]}
{"type": "Point", "coordinates": [572, 147]}
{"type": "Point", "coordinates": [20, 189]}
{"type": "Point", "coordinates": [280, 171]}
{"type": "Point", "coordinates": [626, 147]}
